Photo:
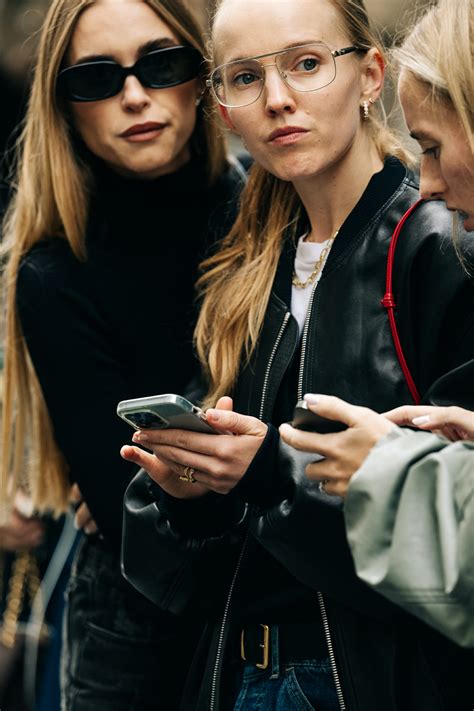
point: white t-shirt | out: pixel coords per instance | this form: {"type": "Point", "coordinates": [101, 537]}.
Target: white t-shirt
{"type": "Point", "coordinates": [307, 254]}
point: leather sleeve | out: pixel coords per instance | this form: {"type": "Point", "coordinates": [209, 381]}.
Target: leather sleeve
{"type": "Point", "coordinates": [165, 562]}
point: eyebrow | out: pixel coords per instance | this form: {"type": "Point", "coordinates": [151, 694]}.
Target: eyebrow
{"type": "Point", "coordinates": [420, 136]}
{"type": "Point", "coordinates": [143, 49]}
{"type": "Point", "coordinates": [292, 45]}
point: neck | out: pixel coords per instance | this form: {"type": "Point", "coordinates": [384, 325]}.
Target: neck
{"type": "Point", "coordinates": [331, 196]}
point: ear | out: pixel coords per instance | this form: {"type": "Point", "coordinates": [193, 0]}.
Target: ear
{"type": "Point", "coordinates": [226, 118]}
{"type": "Point", "coordinates": [373, 75]}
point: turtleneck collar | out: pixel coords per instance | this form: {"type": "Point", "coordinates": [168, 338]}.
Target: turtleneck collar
{"type": "Point", "coordinates": [128, 210]}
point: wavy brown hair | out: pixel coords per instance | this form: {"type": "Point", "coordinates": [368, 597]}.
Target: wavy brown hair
{"type": "Point", "coordinates": [51, 190]}
{"type": "Point", "coordinates": [237, 281]}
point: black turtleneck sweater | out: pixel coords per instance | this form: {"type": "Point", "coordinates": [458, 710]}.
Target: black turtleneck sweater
{"type": "Point", "coordinates": [119, 325]}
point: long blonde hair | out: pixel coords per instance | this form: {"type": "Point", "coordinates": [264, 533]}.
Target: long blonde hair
{"type": "Point", "coordinates": [237, 281]}
{"type": "Point", "coordinates": [439, 53]}
{"type": "Point", "coordinates": [50, 199]}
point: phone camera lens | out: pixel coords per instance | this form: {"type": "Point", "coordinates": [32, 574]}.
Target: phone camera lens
{"type": "Point", "coordinates": [147, 420]}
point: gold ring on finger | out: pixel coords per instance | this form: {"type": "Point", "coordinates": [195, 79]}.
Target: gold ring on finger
{"type": "Point", "coordinates": [321, 486]}
{"type": "Point", "coordinates": [188, 475]}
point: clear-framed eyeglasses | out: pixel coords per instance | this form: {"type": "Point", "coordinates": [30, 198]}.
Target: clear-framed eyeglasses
{"type": "Point", "coordinates": [305, 68]}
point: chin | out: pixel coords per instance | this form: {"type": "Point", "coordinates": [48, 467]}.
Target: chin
{"type": "Point", "coordinates": [149, 169]}
{"type": "Point", "coordinates": [290, 170]}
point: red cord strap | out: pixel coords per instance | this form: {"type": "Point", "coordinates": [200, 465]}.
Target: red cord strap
{"type": "Point", "coordinates": [388, 302]}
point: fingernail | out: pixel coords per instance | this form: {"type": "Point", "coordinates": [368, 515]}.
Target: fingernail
{"type": "Point", "coordinates": [139, 437]}
{"type": "Point", "coordinates": [421, 420]}
{"type": "Point", "coordinates": [215, 414]}
{"type": "Point", "coordinates": [312, 399]}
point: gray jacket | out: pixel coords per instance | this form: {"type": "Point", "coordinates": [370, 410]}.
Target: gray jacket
{"type": "Point", "coordinates": [410, 523]}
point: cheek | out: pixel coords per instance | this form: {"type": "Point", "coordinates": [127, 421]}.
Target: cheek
{"type": "Point", "coordinates": [183, 107]}
{"type": "Point", "coordinates": [90, 121]}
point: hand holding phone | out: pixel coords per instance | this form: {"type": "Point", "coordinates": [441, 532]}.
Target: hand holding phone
{"type": "Point", "coordinates": [160, 412]}
{"type": "Point", "coordinates": [309, 421]}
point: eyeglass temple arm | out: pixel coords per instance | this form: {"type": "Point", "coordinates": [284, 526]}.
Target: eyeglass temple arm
{"type": "Point", "coordinates": [346, 50]}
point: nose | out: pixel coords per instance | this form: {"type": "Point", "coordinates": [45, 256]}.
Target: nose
{"type": "Point", "coordinates": [432, 183]}
{"type": "Point", "coordinates": [279, 98]}
{"type": "Point", "coordinates": [134, 95]}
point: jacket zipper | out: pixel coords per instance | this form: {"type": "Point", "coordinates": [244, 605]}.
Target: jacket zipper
{"type": "Point", "coordinates": [332, 658]}
{"type": "Point", "coordinates": [220, 643]}
{"type": "Point", "coordinates": [322, 606]}
{"type": "Point", "coordinates": [270, 363]}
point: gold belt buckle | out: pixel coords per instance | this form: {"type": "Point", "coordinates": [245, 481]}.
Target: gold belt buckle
{"type": "Point", "coordinates": [265, 645]}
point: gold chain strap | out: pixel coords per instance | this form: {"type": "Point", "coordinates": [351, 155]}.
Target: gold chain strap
{"type": "Point", "coordinates": [24, 578]}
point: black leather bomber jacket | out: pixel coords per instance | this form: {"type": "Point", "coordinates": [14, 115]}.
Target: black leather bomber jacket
{"type": "Point", "coordinates": [385, 659]}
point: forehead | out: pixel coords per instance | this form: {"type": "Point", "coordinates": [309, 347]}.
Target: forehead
{"type": "Point", "coordinates": [422, 115]}
{"type": "Point", "coordinates": [249, 27]}
{"type": "Point", "coordinates": [117, 28]}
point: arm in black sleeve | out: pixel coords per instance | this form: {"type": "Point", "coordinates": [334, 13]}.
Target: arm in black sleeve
{"type": "Point", "coordinates": [172, 549]}
{"type": "Point", "coordinates": [81, 377]}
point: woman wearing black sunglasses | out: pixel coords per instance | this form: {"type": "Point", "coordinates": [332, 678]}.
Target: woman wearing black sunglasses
{"type": "Point", "coordinates": [118, 178]}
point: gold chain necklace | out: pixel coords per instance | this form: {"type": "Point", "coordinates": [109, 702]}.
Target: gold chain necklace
{"type": "Point", "coordinates": [317, 267]}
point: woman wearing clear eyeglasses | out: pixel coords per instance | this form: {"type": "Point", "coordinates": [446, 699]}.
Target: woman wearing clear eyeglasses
{"type": "Point", "coordinates": [292, 302]}
{"type": "Point", "coordinates": [121, 184]}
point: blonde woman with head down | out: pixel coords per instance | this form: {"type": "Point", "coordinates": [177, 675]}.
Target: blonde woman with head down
{"type": "Point", "coordinates": [409, 495]}
{"type": "Point", "coordinates": [292, 304]}
{"type": "Point", "coordinates": [118, 179]}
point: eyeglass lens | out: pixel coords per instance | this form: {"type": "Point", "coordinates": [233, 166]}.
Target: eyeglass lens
{"type": "Point", "coordinates": [93, 81]}
{"type": "Point", "coordinates": [305, 68]}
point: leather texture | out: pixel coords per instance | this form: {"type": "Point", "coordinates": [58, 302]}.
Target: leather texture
{"type": "Point", "coordinates": [386, 659]}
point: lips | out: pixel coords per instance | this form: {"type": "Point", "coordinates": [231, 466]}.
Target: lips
{"type": "Point", "coordinates": [286, 131]}
{"type": "Point", "coordinates": [140, 128]}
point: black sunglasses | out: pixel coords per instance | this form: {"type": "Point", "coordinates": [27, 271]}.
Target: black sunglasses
{"type": "Point", "coordinates": [94, 81]}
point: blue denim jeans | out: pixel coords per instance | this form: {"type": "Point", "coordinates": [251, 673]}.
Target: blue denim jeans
{"type": "Point", "coordinates": [300, 685]}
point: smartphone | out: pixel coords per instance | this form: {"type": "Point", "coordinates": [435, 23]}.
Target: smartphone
{"type": "Point", "coordinates": [161, 412]}
{"type": "Point", "coordinates": [306, 419]}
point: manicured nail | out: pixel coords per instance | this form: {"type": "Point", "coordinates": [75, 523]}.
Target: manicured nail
{"type": "Point", "coordinates": [215, 414]}
{"type": "Point", "coordinates": [421, 420]}
{"type": "Point", "coordinates": [312, 399]}
{"type": "Point", "coordinates": [139, 437]}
